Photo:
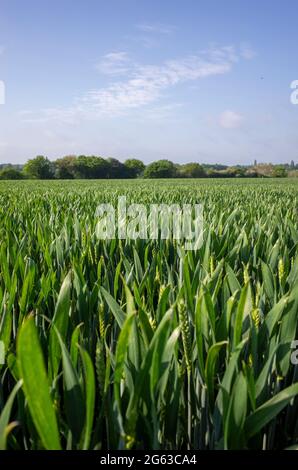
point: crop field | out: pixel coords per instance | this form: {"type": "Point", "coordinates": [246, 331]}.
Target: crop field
{"type": "Point", "coordinates": [140, 344]}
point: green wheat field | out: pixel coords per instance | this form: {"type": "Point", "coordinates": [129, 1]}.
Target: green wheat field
{"type": "Point", "coordinates": [123, 344]}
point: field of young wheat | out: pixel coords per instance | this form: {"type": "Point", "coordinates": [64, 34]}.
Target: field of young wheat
{"type": "Point", "coordinates": [140, 344]}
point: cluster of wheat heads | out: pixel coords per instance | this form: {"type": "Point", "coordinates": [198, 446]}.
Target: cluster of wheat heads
{"type": "Point", "coordinates": [139, 344]}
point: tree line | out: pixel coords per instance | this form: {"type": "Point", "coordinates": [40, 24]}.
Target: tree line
{"type": "Point", "coordinates": [94, 167]}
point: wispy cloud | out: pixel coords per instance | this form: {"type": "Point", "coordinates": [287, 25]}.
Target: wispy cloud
{"type": "Point", "coordinates": [143, 85]}
{"type": "Point", "coordinates": [149, 35]}
{"type": "Point", "coordinates": [114, 63]}
{"type": "Point", "coordinates": [230, 119]}
{"type": "Point", "coordinates": [155, 28]}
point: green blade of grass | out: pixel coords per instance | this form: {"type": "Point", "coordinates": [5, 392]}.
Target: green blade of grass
{"type": "Point", "coordinates": [35, 385]}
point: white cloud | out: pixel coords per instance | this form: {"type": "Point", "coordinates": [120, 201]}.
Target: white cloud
{"type": "Point", "coordinates": [158, 28]}
{"type": "Point", "coordinates": [114, 63]}
{"type": "Point", "coordinates": [230, 119]}
{"type": "Point", "coordinates": [143, 85]}
{"type": "Point", "coordinates": [148, 82]}
{"type": "Point", "coordinates": [222, 53]}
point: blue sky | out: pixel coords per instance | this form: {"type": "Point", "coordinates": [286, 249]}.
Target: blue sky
{"type": "Point", "coordinates": [188, 80]}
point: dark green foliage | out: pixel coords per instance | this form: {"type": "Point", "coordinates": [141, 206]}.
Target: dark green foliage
{"type": "Point", "coordinates": [160, 169]}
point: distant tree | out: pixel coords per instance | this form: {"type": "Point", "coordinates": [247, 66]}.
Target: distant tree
{"type": "Point", "coordinates": [264, 169]}
{"type": "Point", "coordinates": [191, 170]}
{"type": "Point", "coordinates": [210, 173]}
{"type": "Point", "coordinates": [39, 168]}
{"type": "Point", "coordinates": [11, 174]}
{"type": "Point", "coordinates": [134, 167]}
{"type": "Point", "coordinates": [214, 166]}
{"type": "Point", "coordinates": [235, 172]}
{"type": "Point", "coordinates": [15, 166]}
{"type": "Point", "coordinates": [81, 167]}
{"type": "Point", "coordinates": [98, 167]}
{"type": "Point", "coordinates": [279, 172]}
{"type": "Point", "coordinates": [116, 169]}
{"type": "Point", "coordinates": [160, 169]}
{"type": "Point", "coordinates": [252, 173]}
{"type": "Point", "coordinates": [65, 167]}
{"type": "Point", "coordinates": [91, 167]}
